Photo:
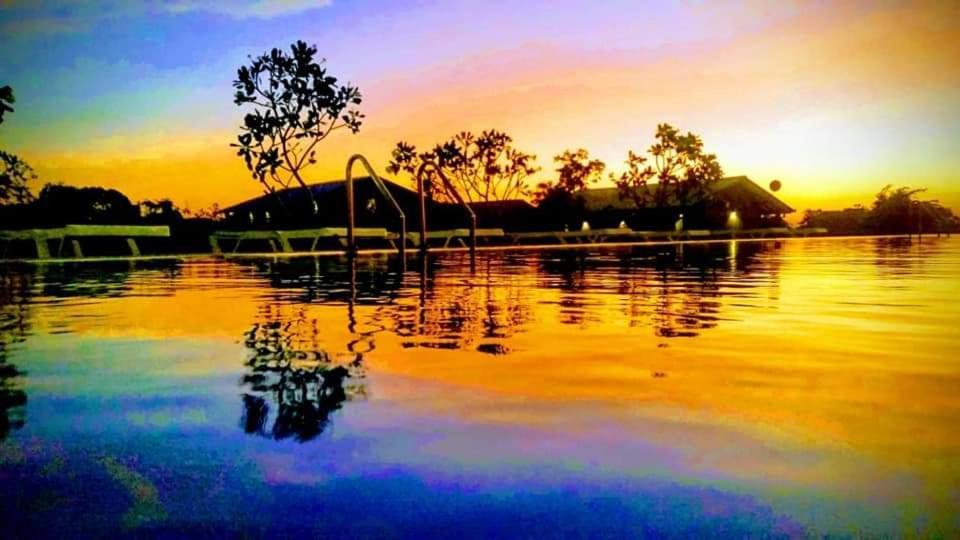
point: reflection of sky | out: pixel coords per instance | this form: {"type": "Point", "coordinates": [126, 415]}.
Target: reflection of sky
{"type": "Point", "coordinates": [569, 429]}
{"type": "Point", "coordinates": [125, 93]}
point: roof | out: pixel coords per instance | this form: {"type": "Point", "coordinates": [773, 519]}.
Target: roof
{"type": "Point", "coordinates": [508, 205]}
{"type": "Point", "coordinates": [318, 190]}
{"type": "Point", "coordinates": [738, 191]}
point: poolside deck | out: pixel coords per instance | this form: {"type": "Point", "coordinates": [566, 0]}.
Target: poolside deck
{"type": "Point", "coordinates": [622, 234]}
{"type": "Point", "coordinates": [279, 241]}
{"type": "Point", "coordinates": [41, 238]}
{"type": "Point", "coordinates": [377, 239]}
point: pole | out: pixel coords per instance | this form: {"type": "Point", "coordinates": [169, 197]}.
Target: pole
{"type": "Point", "coordinates": [351, 239]}
{"type": "Point", "coordinates": [423, 212]}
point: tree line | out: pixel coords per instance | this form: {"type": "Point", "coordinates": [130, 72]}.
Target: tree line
{"type": "Point", "coordinates": [894, 210]}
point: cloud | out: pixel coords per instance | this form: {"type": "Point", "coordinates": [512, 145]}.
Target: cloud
{"type": "Point", "coordinates": [262, 9]}
{"type": "Point", "coordinates": [27, 17]}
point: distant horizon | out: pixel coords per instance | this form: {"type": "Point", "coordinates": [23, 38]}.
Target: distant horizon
{"type": "Point", "coordinates": [793, 218]}
{"type": "Point", "coordinates": [836, 102]}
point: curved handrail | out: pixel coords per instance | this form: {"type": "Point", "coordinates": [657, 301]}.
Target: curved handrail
{"type": "Point", "coordinates": [351, 239]}
{"type": "Point", "coordinates": [452, 191]}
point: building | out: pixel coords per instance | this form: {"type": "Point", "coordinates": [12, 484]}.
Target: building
{"type": "Point", "coordinates": [735, 197]}
{"type": "Point", "coordinates": [291, 208]}
{"type": "Point", "coordinates": [731, 202]}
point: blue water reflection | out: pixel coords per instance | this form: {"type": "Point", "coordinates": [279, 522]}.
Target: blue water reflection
{"type": "Point", "coordinates": [611, 393]}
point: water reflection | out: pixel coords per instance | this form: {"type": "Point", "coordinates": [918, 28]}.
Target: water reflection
{"type": "Point", "coordinates": [674, 290]}
{"type": "Point", "coordinates": [14, 321]}
{"type": "Point", "coordinates": [290, 372]}
{"type": "Point", "coordinates": [107, 279]}
{"type": "Point", "coordinates": [527, 374]}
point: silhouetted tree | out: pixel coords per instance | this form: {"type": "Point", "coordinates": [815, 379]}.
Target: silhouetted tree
{"type": "Point", "coordinates": [14, 172]}
{"type": "Point", "coordinates": [211, 212]}
{"type": "Point", "coordinates": [846, 221]}
{"type": "Point", "coordinates": [296, 104]}
{"type": "Point", "coordinates": [69, 204]}
{"type": "Point", "coordinates": [897, 210]}
{"type": "Point", "coordinates": [634, 183]}
{"type": "Point", "coordinates": [483, 167]}
{"type": "Point", "coordinates": [14, 175]}
{"type": "Point", "coordinates": [575, 172]}
{"type": "Point", "coordinates": [405, 158]}
{"type": "Point", "coordinates": [160, 211]}
{"type": "Point", "coordinates": [559, 202]}
{"type": "Point", "coordinates": [679, 164]}
{"type": "Point", "coordinates": [6, 101]}
{"type": "Point", "coordinates": [894, 211]}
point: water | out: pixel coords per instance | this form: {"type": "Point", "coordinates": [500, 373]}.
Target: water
{"type": "Point", "coordinates": [795, 388]}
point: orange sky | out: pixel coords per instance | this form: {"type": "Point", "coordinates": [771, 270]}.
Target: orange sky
{"type": "Point", "coordinates": [836, 102]}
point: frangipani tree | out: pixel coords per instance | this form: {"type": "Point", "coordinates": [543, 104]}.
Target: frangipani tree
{"type": "Point", "coordinates": [295, 105]}
{"type": "Point", "coordinates": [677, 162]}
{"type": "Point", "coordinates": [485, 167]}
{"type": "Point", "coordinates": [576, 171]}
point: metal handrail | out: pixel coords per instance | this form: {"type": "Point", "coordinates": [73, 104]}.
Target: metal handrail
{"type": "Point", "coordinates": [351, 209]}
{"type": "Point", "coordinates": [452, 191]}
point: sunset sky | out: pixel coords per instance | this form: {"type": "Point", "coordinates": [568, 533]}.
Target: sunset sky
{"type": "Point", "coordinates": [836, 99]}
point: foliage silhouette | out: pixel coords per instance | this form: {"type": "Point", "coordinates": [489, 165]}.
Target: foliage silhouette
{"type": "Point", "coordinates": [160, 211]}
{"type": "Point", "coordinates": [296, 105]}
{"type": "Point", "coordinates": [482, 168]}
{"type": "Point", "coordinates": [14, 172]}
{"type": "Point", "coordinates": [558, 201]}
{"type": "Point", "coordinates": [6, 101]}
{"type": "Point", "coordinates": [894, 211]}
{"type": "Point", "coordinates": [679, 164]}
{"type": "Point", "coordinates": [898, 211]}
{"type": "Point", "coordinates": [14, 175]}
{"type": "Point", "coordinates": [69, 204]}
{"type": "Point", "coordinates": [576, 171]}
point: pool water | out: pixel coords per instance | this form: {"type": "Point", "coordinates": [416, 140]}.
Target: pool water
{"type": "Point", "coordinates": [740, 389]}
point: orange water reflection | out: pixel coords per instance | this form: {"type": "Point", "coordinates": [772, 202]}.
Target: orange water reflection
{"type": "Point", "coordinates": [733, 356]}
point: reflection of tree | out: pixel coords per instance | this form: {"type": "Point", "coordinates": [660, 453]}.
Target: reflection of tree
{"type": "Point", "coordinates": [902, 256]}
{"type": "Point", "coordinates": [290, 371]}
{"type": "Point", "coordinates": [456, 311]}
{"type": "Point", "coordinates": [452, 310]}
{"type": "Point", "coordinates": [110, 279]}
{"type": "Point", "coordinates": [675, 289]}
{"type": "Point", "coordinates": [14, 294]}
{"type": "Point", "coordinates": [365, 281]}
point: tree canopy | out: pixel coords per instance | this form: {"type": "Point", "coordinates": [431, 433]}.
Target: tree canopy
{"type": "Point", "coordinates": [69, 204]}
{"type": "Point", "coordinates": [558, 201]}
{"type": "Point", "coordinates": [898, 210]}
{"type": "Point", "coordinates": [296, 105]}
{"type": "Point", "coordinates": [485, 167]}
{"type": "Point", "coordinates": [575, 172]}
{"type": "Point", "coordinates": [14, 172]}
{"type": "Point", "coordinates": [895, 210]}
{"type": "Point", "coordinates": [160, 211]}
{"type": "Point", "coordinates": [6, 101]}
{"type": "Point", "coordinates": [677, 162]}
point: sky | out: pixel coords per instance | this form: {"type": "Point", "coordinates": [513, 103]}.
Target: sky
{"type": "Point", "coordinates": [835, 99]}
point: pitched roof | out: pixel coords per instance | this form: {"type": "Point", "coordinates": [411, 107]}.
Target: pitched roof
{"type": "Point", "coordinates": [507, 204]}
{"type": "Point", "coordinates": [318, 190]}
{"type": "Point", "coordinates": [738, 191]}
